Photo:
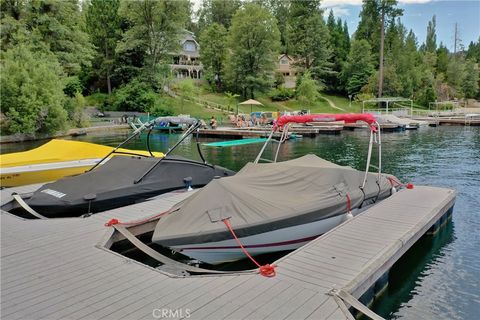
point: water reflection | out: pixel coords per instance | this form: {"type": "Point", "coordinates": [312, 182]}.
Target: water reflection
{"type": "Point", "coordinates": [439, 279]}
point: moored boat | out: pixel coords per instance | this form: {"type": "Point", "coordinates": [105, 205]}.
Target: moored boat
{"type": "Point", "coordinates": [273, 206]}
{"type": "Point", "coordinates": [54, 160]}
{"type": "Point", "coordinates": [119, 182]}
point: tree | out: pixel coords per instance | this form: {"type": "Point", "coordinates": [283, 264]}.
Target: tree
{"type": "Point", "coordinates": [32, 91]}
{"type": "Point", "coordinates": [253, 41]}
{"type": "Point", "coordinates": [373, 20]}
{"type": "Point", "coordinates": [310, 35]}
{"type": "Point", "coordinates": [473, 51]}
{"type": "Point", "coordinates": [280, 9]}
{"type": "Point", "coordinates": [358, 67]}
{"type": "Point", "coordinates": [340, 44]}
{"type": "Point", "coordinates": [103, 25]}
{"type": "Point", "coordinates": [307, 90]}
{"type": "Point", "coordinates": [470, 81]}
{"type": "Point", "coordinates": [456, 74]}
{"type": "Point", "coordinates": [217, 11]}
{"type": "Point", "coordinates": [431, 41]}
{"type": "Point", "coordinates": [442, 59]}
{"type": "Point", "coordinates": [387, 10]}
{"type": "Point", "coordinates": [59, 26]}
{"type": "Point", "coordinates": [213, 49]}
{"type": "Point", "coordinates": [155, 28]}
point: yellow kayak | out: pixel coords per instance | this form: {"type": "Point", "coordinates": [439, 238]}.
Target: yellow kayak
{"type": "Point", "coordinates": [54, 160]}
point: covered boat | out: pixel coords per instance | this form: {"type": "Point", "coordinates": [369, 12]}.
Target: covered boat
{"type": "Point", "coordinates": [54, 160]}
{"type": "Point", "coordinates": [273, 206]}
{"type": "Point", "coordinates": [119, 182]}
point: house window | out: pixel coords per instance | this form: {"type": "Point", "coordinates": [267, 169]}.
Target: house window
{"type": "Point", "coordinates": [284, 61]}
{"type": "Point", "coordinates": [189, 46]}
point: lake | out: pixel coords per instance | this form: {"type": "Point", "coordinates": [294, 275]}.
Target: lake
{"type": "Point", "coordinates": [440, 277]}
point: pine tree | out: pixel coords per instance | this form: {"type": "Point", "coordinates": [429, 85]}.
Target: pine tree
{"type": "Point", "coordinates": [310, 35]}
{"type": "Point", "coordinates": [359, 66]}
{"type": "Point", "coordinates": [470, 81]}
{"type": "Point", "coordinates": [431, 41]}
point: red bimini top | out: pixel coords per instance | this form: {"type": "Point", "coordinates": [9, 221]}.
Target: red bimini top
{"type": "Point", "coordinates": [328, 117]}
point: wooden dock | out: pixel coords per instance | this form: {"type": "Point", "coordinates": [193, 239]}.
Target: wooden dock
{"type": "Point", "coordinates": [55, 269]}
{"type": "Point", "coordinates": [254, 132]}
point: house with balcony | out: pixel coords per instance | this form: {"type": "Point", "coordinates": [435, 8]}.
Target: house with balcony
{"type": "Point", "coordinates": [186, 63]}
{"type": "Point", "coordinates": [285, 67]}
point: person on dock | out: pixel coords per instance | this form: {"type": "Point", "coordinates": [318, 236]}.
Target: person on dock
{"type": "Point", "coordinates": [213, 123]}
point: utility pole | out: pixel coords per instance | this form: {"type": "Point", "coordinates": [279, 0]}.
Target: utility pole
{"type": "Point", "coordinates": [382, 40]}
{"type": "Point", "coordinates": [455, 40]}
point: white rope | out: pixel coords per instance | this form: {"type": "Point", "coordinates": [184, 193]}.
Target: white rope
{"type": "Point", "coordinates": [25, 206]}
{"type": "Point", "coordinates": [163, 259]}
{"type": "Point", "coordinates": [369, 157]}
{"type": "Point", "coordinates": [351, 300]}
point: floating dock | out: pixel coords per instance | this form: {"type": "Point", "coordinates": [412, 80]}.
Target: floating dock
{"type": "Point", "coordinates": [254, 132]}
{"type": "Point", "coordinates": [61, 269]}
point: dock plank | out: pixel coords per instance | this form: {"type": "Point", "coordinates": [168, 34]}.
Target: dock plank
{"type": "Point", "coordinates": [52, 268]}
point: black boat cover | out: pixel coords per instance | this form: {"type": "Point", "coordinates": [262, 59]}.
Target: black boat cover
{"type": "Point", "coordinates": [112, 185]}
{"type": "Point", "coordinates": [267, 197]}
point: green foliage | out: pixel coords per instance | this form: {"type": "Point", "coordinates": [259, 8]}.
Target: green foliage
{"type": "Point", "coordinates": [470, 81]}
{"type": "Point", "coordinates": [155, 28]}
{"type": "Point", "coordinates": [75, 107]}
{"type": "Point", "coordinates": [307, 91]}
{"type": "Point", "coordinates": [162, 108]}
{"type": "Point", "coordinates": [358, 67]}
{"type": "Point", "coordinates": [431, 41]}
{"type": "Point", "coordinates": [217, 11]}
{"type": "Point", "coordinates": [32, 91]}
{"type": "Point", "coordinates": [253, 41]}
{"type": "Point", "coordinates": [340, 44]}
{"type": "Point", "coordinates": [103, 26]}
{"type": "Point", "coordinates": [282, 94]}
{"type": "Point", "coordinates": [310, 37]}
{"type": "Point", "coordinates": [73, 86]}
{"type": "Point", "coordinates": [213, 49]}
{"type": "Point", "coordinates": [134, 96]}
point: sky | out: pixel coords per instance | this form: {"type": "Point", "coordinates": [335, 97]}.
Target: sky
{"type": "Point", "coordinates": [417, 13]}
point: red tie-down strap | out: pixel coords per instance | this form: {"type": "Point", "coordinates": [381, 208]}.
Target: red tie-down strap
{"type": "Point", "coordinates": [114, 221]}
{"type": "Point", "coordinates": [397, 183]}
{"type": "Point", "coordinates": [267, 270]}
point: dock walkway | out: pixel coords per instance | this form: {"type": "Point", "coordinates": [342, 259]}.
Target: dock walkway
{"type": "Point", "coordinates": [53, 269]}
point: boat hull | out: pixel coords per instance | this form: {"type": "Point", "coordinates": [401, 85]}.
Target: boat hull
{"type": "Point", "coordinates": [284, 239]}
{"type": "Point", "coordinates": [23, 175]}
{"type": "Point", "coordinates": [54, 160]}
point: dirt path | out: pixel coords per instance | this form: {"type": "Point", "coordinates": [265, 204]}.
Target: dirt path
{"type": "Point", "coordinates": [330, 102]}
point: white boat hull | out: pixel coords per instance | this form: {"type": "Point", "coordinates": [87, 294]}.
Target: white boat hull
{"type": "Point", "coordinates": [283, 239]}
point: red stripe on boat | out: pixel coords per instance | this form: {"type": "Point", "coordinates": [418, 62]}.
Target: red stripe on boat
{"type": "Point", "coordinates": [274, 244]}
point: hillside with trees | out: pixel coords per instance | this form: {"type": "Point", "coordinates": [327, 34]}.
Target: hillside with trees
{"type": "Point", "coordinates": [57, 56]}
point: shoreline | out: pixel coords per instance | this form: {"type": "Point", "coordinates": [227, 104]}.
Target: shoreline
{"type": "Point", "coordinates": [71, 132]}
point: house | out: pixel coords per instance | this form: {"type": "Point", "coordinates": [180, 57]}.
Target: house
{"type": "Point", "coordinates": [287, 70]}
{"type": "Point", "coordinates": [186, 63]}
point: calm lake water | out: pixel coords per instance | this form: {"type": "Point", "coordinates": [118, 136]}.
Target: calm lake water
{"type": "Point", "coordinates": [440, 277]}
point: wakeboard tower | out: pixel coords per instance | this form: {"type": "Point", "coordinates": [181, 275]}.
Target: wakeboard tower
{"type": "Point", "coordinates": [121, 181]}
{"type": "Point", "coordinates": [274, 206]}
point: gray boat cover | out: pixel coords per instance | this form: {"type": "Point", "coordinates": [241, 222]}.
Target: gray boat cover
{"type": "Point", "coordinates": [267, 197]}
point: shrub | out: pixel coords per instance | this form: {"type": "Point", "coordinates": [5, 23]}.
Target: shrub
{"type": "Point", "coordinates": [162, 108]}
{"type": "Point", "coordinates": [32, 91]}
{"type": "Point", "coordinates": [72, 86]}
{"type": "Point", "coordinates": [134, 96]}
{"type": "Point", "coordinates": [75, 108]}
{"type": "Point", "coordinates": [282, 94]}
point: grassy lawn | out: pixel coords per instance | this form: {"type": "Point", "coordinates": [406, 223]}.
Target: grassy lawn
{"type": "Point", "coordinates": [201, 112]}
